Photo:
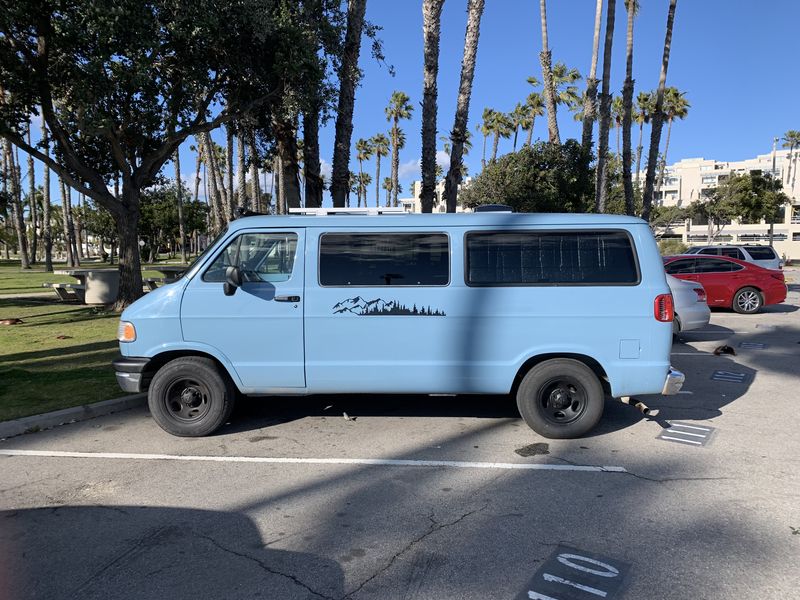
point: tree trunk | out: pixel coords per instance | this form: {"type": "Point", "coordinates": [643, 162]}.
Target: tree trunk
{"type": "Point", "coordinates": [605, 112]}
{"type": "Point", "coordinates": [282, 207]}
{"type": "Point", "coordinates": [431, 31]}
{"type": "Point", "coordinates": [32, 201]}
{"type": "Point", "coordinates": [495, 143]}
{"type": "Point", "coordinates": [348, 78]}
{"type": "Point", "coordinates": [663, 166]}
{"type": "Point", "coordinates": [211, 178]}
{"type": "Point", "coordinates": [314, 184]}
{"type": "Point", "coordinates": [546, 57]}
{"type": "Point", "coordinates": [255, 192]}
{"type": "Point", "coordinates": [241, 171]}
{"type": "Point", "coordinates": [529, 141]}
{"type": "Point", "coordinates": [483, 156]}
{"type": "Point", "coordinates": [589, 112]}
{"type": "Point", "coordinates": [47, 232]}
{"type": "Point", "coordinates": [130, 267]}
{"type": "Point", "coordinates": [231, 201]}
{"type": "Point", "coordinates": [377, 180]}
{"type": "Point", "coordinates": [197, 169]}
{"type": "Point", "coordinates": [286, 143]}
{"type": "Point", "coordinates": [65, 223]}
{"type": "Point", "coordinates": [395, 161]}
{"type": "Point", "coordinates": [16, 208]}
{"type": "Point", "coordinates": [627, 114]}
{"type": "Point", "coordinates": [639, 149]}
{"type": "Point", "coordinates": [181, 223]}
{"type": "Point", "coordinates": [658, 118]}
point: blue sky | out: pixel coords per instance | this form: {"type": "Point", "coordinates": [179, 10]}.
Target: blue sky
{"type": "Point", "coordinates": [737, 61]}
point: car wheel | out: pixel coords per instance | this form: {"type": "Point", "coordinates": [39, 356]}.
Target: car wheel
{"type": "Point", "coordinates": [560, 398]}
{"type": "Point", "coordinates": [747, 301]}
{"type": "Point", "coordinates": [676, 326]}
{"type": "Point", "coordinates": [189, 397]}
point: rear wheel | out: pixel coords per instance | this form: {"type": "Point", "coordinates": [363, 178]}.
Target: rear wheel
{"type": "Point", "coordinates": [747, 301]}
{"type": "Point", "coordinates": [560, 398]}
{"type": "Point", "coordinates": [189, 397]}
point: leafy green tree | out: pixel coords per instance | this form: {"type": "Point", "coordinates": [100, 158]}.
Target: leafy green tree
{"type": "Point", "coordinates": [545, 177]}
{"type": "Point", "coordinates": [121, 86]}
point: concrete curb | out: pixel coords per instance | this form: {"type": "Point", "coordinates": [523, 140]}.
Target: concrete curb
{"type": "Point", "coordinates": [70, 415]}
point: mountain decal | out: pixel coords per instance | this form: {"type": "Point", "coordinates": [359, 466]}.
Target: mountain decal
{"type": "Point", "coordinates": [379, 306]}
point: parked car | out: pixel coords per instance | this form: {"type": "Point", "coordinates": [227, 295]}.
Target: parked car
{"type": "Point", "coordinates": [558, 310]}
{"type": "Point", "coordinates": [730, 283]}
{"type": "Point", "coordinates": [691, 308]}
{"type": "Point", "coordinates": [763, 256]}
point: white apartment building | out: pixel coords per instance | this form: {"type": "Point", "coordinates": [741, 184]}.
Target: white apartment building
{"type": "Point", "coordinates": [413, 204]}
{"type": "Point", "coordinates": [688, 179]}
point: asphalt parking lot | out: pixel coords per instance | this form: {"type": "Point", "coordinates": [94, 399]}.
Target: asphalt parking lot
{"type": "Point", "coordinates": [422, 498]}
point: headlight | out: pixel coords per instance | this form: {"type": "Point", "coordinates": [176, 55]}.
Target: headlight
{"type": "Point", "coordinates": [126, 332]}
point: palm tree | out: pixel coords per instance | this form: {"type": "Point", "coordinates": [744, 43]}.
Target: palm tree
{"type": "Point", "coordinates": [34, 242]}
{"type": "Point", "coordinates": [459, 135]}
{"type": "Point", "coordinates": [617, 116]}
{"type": "Point", "coordinates": [519, 118]}
{"type": "Point", "coordinates": [563, 79]}
{"type": "Point", "coordinates": [363, 180]}
{"type": "Point", "coordinates": [590, 97]}
{"type": "Point", "coordinates": [645, 102]}
{"type": "Point", "coordinates": [632, 8]}
{"type": "Point", "coordinates": [545, 58]}
{"type": "Point", "coordinates": [399, 108]}
{"type": "Point", "coordinates": [535, 106]}
{"type": "Point", "coordinates": [658, 117]}
{"type": "Point", "coordinates": [791, 140]}
{"type": "Point", "coordinates": [431, 30]}
{"type": "Point", "coordinates": [387, 185]}
{"type": "Point", "coordinates": [363, 152]}
{"type": "Point", "coordinates": [500, 125]}
{"type": "Point", "coordinates": [380, 146]}
{"type": "Point", "coordinates": [485, 130]}
{"type": "Point", "coordinates": [676, 106]}
{"type": "Point", "coordinates": [47, 232]}
{"type": "Point", "coordinates": [605, 112]}
{"type": "Point", "coordinates": [348, 77]}
{"type": "Point", "coordinates": [181, 225]}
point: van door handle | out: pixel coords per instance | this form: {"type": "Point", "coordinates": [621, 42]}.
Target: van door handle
{"type": "Point", "coordinates": [287, 298]}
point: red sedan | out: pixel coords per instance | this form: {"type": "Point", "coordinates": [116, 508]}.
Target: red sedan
{"type": "Point", "coordinates": [730, 283]}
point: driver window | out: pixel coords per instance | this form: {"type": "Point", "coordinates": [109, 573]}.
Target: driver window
{"type": "Point", "coordinates": [260, 256]}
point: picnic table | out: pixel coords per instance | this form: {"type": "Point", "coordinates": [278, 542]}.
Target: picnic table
{"type": "Point", "coordinates": [95, 286]}
{"type": "Point", "coordinates": [170, 272]}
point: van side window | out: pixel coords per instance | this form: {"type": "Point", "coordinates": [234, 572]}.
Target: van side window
{"type": "Point", "coordinates": [550, 257]}
{"type": "Point", "coordinates": [384, 259]}
{"type": "Point", "coordinates": [260, 256]}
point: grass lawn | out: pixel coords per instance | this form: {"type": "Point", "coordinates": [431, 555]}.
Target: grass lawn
{"type": "Point", "coordinates": [14, 280]}
{"type": "Point", "coordinates": [59, 356]}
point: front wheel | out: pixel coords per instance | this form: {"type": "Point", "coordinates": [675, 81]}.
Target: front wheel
{"type": "Point", "coordinates": [560, 399]}
{"type": "Point", "coordinates": [747, 301]}
{"type": "Point", "coordinates": [189, 397]}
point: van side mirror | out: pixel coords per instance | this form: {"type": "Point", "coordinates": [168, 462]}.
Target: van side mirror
{"type": "Point", "coordinates": [233, 280]}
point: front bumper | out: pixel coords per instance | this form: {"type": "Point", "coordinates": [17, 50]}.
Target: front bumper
{"type": "Point", "coordinates": [673, 383]}
{"type": "Point", "coordinates": [132, 374]}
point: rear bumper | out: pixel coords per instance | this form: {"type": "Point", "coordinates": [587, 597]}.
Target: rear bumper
{"type": "Point", "coordinates": [132, 374]}
{"type": "Point", "coordinates": [673, 383]}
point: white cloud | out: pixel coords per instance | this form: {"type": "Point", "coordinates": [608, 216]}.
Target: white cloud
{"type": "Point", "coordinates": [443, 160]}
{"type": "Point", "coordinates": [326, 169]}
{"type": "Point", "coordinates": [409, 170]}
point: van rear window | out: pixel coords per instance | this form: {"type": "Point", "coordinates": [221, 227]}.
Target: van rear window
{"type": "Point", "coordinates": [384, 259]}
{"type": "Point", "coordinates": [551, 258]}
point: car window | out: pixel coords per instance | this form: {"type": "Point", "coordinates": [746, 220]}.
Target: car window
{"type": "Point", "coordinates": [761, 252]}
{"type": "Point", "coordinates": [693, 251]}
{"type": "Point", "coordinates": [260, 256]}
{"type": "Point", "coordinates": [732, 252]}
{"type": "Point", "coordinates": [681, 266]}
{"type": "Point", "coordinates": [712, 251]}
{"type": "Point", "coordinates": [711, 265]}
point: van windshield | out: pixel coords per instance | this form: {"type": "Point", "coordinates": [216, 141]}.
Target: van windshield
{"type": "Point", "coordinates": [210, 245]}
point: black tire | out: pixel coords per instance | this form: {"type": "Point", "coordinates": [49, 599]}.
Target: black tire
{"type": "Point", "coordinates": [747, 301]}
{"type": "Point", "coordinates": [676, 327]}
{"type": "Point", "coordinates": [189, 397]}
{"type": "Point", "coordinates": [561, 398]}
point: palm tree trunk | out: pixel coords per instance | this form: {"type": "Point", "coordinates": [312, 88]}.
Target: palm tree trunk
{"type": "Point", "coordinates": [197, 170]}
{"type": "Point", "coordinates": [546, 58]}
{"type": "Point", "coordinates": [658, 118]}
{"type": "Point", "coordinates": [589, 112]}
{"type": "Point", "coordinates": [241, 178]}
{"type": "Point", "coordinates": [377, 179]}
{"type": "Point", "coordinates": [639, 149]}
{"type": "Point", "coordinates": [789, 165]}
{"type": "Point", "coordinates": [395, 160]}
{"type": "Point", "coordinates": [211, 177]}
{"type": "Point", "coordinates": [495, 143]}
{"type": "Point", "coordinates": [605, 112]}
{"type": "Point", "coordinates": [181, 223]}
{"type": "Point", "coordinates": [255, 187]}
{"type": "Point", "coordinates": [348, 78]}
{"type": "Point", "coordinates": [663, 166]}
{"type": "Point", "coordinates": [311, 163]}
{"type": "Point", "coordinates": [360, 179]}
{"type": "Point", "coordinates": [290, 170]}
{"type": "Point", "coordinates": [229, 134]}
{"type": "Point", "coordinates": [32, 201]}
{"type": "Point", "coordinates": [627, 113]}
{"type": "Point", "coordinates": [65, 222]}
{"type": "Point", "coordinates": [431, 30]}
{"type": "Point", "coordinates": [47, 232]}
{"type": "Point", "coordinates": [16, 208]}
{"type": "Point", "coordinates": [516, 131]}
{"type": "Point", "coordinates": [483, 158]}
{"type": "Point", "coordinates": [529, 141]}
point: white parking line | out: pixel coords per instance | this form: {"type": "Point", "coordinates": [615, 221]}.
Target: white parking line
{"type": "Point", "coordinates": [389, 462]}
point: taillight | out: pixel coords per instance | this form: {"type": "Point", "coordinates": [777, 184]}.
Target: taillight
{"type": "Point", "coordinates": [701, 294]}
{"type": "Point", "coordinates": [663, 308]}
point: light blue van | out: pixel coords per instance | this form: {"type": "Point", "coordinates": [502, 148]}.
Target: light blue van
{"type": "Point", "coordinates": [558, 309]}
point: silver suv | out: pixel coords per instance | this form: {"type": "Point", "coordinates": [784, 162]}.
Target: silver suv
{"type": "Point", "coordinates": [763, 256]}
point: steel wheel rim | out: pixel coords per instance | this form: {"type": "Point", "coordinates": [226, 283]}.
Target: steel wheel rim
{"type": "Point", "coordinates": [562, 400]}
{"type": "Point", "coordinates": [748, 300]}
{"type": "Point", "coordinates": [187, 400]}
